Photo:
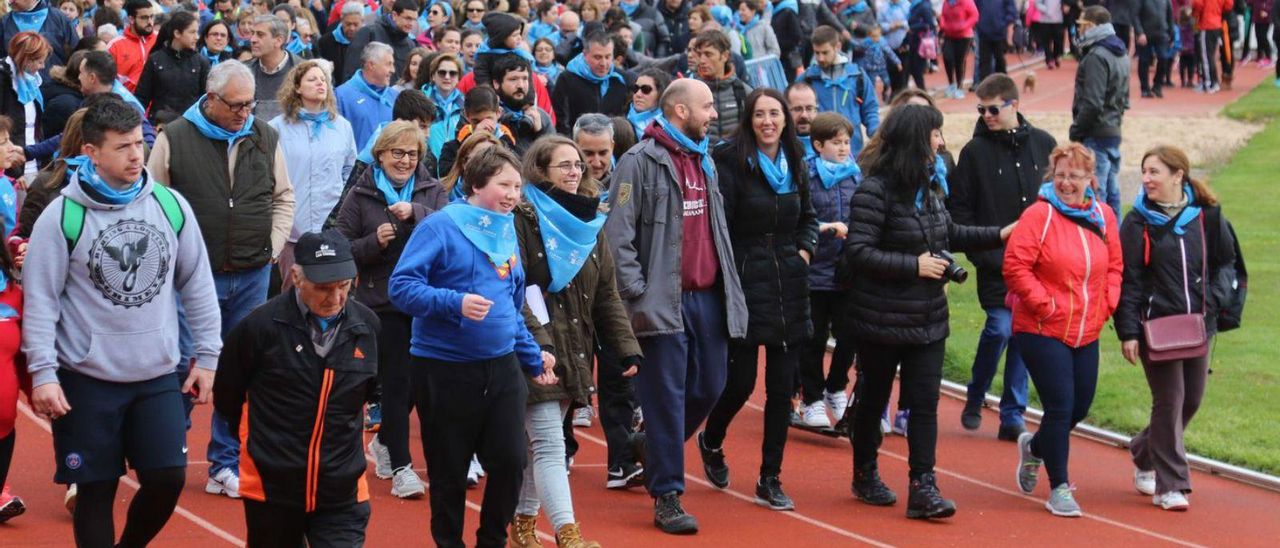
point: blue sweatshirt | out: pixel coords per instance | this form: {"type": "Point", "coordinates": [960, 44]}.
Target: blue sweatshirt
{"type": "Point", "coordinates": [438, 267]}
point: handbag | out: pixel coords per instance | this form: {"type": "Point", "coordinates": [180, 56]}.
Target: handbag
{"type": "Point", "coordinates": [1181, 336]}
{"type": "Point", "coordinates": [928, 49]}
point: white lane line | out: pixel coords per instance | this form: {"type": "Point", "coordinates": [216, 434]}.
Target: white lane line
{"type": "Point", "coordinates": [1010, 492]}
{"type": "Point", "coordinates": [740, 496]}
{"type": "Point", "coordinates": [203, 523]}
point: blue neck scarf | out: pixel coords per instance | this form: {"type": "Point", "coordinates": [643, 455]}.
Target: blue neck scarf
{"type": "Point", "coordinates": [484, 48]}
{"type": "Point", "coordinates": [447, 105]}
{"type": "Point", "coordinates": [776, 172]}
{"type": "Point", "coordinates": [579, 67]}
{"type": "Point", "coordinates": [473, 26]}
{"type": "Point", "coordinates": [318, 121]}
{"type": "Point", "coordinates": [699, 148]}
{"type": "Point", "coordinates": [539, 30]}
{"type": "Point", "coordinates": [215, 57]}
{"type": "Point", "coordinates": [568, 240]}
{"type": "Point", "coordinates": [629, 8]}
{"type": "Point", "coordinates": [392, 194]}
{"type": "Point", "coordinates": [339, 37]}
{"type": "Point", "coordinates": [938, 177]}
{"type": "Point", "coordinates": [381, 95]}
{"type": "Point", "coordinates": [744, 27]}
{"type": "Point", "coordinates": [30, 20]}
{"type": "Point", "coordinates": [120, 91]}
{"type": "Point", "coordinates": [832, 173]}
{"type": "Point", "coordinates": [1092, 214]}
{"type": "Point", "coordinates": [493, 233]}
{"type": "Point", "coordinates": [785, 5]}
{"type": "Point", "coordinates": [860, 7]}
{"type": "Point", "coordinates": [295, 45]}
{"type": "Point", "coordinates": [87, 174]}
{"type": "Point", "coordinates": [515, 116]}
{"type": "Point", "coordinates": [28, 87]}
{"type": "Point", "coordinates": [641, 120]}
{"type": "Point", "coordinates": [550, 71]}
{"type": "Point", "coordinates": [1156, 217]}
{"type": "Point", "coordinates": [195, 115]}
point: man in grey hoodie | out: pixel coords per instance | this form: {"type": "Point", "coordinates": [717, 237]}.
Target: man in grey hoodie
{"type": "Point", "coordinates": [106, 265]}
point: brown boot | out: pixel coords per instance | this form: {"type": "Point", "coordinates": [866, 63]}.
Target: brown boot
{"type": "Point", "coordinates": [569, 536]}
{"type": "Point", "coordinates": [524, 532]}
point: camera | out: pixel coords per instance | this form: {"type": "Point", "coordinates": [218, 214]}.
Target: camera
{"type": "Point", "coordinates": [954, 271]}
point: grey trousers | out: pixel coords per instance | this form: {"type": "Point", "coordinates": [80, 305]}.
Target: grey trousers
{"type": "Point", "coordinates": [1176, 391]}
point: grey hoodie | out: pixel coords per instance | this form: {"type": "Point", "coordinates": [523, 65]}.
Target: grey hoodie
{"type": "Point", "coordinates": [108, 309]}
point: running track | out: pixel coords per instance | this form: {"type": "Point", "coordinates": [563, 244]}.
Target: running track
{"type": "Point", "coordinates": [974, 469]}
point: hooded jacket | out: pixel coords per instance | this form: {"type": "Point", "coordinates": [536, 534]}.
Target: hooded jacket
{"type": "Point", "coordinates": [131, 52]}
{"type": "Point", "coordinates": [1102, 86]}
{"type": "Point", "coordinates": [847, 91]}
{"type": "Point", "coordinates": [998, 175]}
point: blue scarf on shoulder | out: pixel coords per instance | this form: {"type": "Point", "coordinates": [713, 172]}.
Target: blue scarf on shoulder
{"type": "Point", "coordinates": [295, 45]}
{"type": "Point", "coordinates": [1092, 214]}
{"type": "Point", "coordinates": [339, 37]}
{"type": "Point", "coordinates": [831, 173]}
{"type": "Point", "coordinates": [28, 87]}
{"type": "Point", "coordinates": [641, 120]}
{"type": "Point", "coordinates": [629, 8]}
{"type": "Point", "coordinates": [744, 27]}
{"type": "Point", "coordinates": [579, 67]}
{"type": "Point", "coordinates": [776, 172]}
{"type": "Point", "coordinates": [551, 71]}
{"type": "Point", "coordinates": [493, 233]}
{"type": "Point", "coordinates": [568, 240]}
{"type": "Point", "coordinates": [382, 95]}
{"type": "Point", "coordinates": [785, 5]}
{"type": "Point", "coordinates": [1156, 217]}
{"type": "Point", "coordinates": [120, 91]}
{"type": "Point", "coordinates": [214, 58]}
{"type": "Point", "coordinates": [484, 48]}
{"type": "Point", "coordinates": [699, 148]}
{"type": "Point", "coordinates": [87, 174]}
{"type": "Point", "coordinates": [448, 114]}
{"type": "Point", "coordinates": [938, 177]}
{"type": "Point", "coordinates": [195, 115]}
{"type": "Point", "coordinates": [392, 194]}
{"type": "Point", "coordinates": [30, 20]}
{"type": "Point", "coordinates": [539, 30]}
{"type": "Point", "coordinates": [318, 121]}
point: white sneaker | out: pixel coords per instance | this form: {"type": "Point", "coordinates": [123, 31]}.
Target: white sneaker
{"type": "Point", "coordinates": [406, 484]}
{"type": "Point", "coordinates": [69, 500]}
{"type": "Point", "coordinates": [837, 402]}
{"type": "Point", "coordinates": [582, 417]}
{"type": "Point", "coordinates": [1144, 481]}
{"type": "Point", "coordinates": [474, 473]}
{"type": "Point", "coordinates": [381, 459]}
{"type": "Point", "coordinates": [814, 415]}
{"type": "Point", "coordinates": [225, 482]}
{"type": "Point", "coordinates": [1173, 500]}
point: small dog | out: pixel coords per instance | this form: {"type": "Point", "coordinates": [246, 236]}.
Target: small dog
{"type": "Point", "coordinates": [1029, 82]}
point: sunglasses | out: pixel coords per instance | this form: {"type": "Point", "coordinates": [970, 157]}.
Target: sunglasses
{"type": "Point", "coordinates": [447, 73]}
{"type": "Point", "coordinates": [645, 89]}
{"type": "Point", "coordinates": [475, 10]}
{"type": "Point", "coordinates": [993, 110]}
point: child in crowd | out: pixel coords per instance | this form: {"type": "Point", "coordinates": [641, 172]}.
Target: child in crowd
{"type": "Point", "coordinates": [1187, 65]}
{"type": "Point", "coordinates": [876, 58]}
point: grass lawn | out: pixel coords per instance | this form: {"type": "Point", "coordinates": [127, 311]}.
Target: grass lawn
{"type": "Point", "coordinates": [1237, 422]}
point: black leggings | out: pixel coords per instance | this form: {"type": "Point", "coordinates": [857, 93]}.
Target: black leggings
{"type": "Point", "coordinates": [397, 385]}
{"type": "Point", "coordinates": [921, 380]}
{"type": "Point", "coordinates": [6, 455]}
{"type": "Point", "coordinates": [955, 53]}
{"type": "Point", "coordinates": [94, 520]}
{"type": "Point", "coordinates": [1051, 40]}
{"type": "Point", "coordinates": [779, 379]}
{"type": "Point", "coordinates": [915, 63]}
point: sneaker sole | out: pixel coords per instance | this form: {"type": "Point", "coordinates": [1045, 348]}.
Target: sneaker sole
{"type": "Point", "coordinates": [767, 504]}
{"type": "Point", "coordinates": [218, 489]}
{"type": "Point", "coordinates": [687, 529]}
{"type": "Point", "coordinates": [409, 496]}
{"type": "Point", "coordinates": [918, 514]}
{"type": "Point", "coordinates": [624, 482]}
{"type": "Point", "coordinates": [876, 502]}
{"type": "Point", "coordinates": [13, 509]}
{"type": "Point", "coordinates": [1072, 514]}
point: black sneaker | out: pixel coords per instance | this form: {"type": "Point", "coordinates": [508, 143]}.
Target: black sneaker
{"type": "Point", "coordinates": [713, 464]}
{"type": "Point", "coordinates": [638, 447]}
{"type": "Point", "coordinates": [1159, 93]}
{"type": "Point", "coordinates": [671, 518]}
{"type": "Point", "coordinates": [769, 493]}
{"type": "Point", "coordinates": [1147, 94]}
{"type": "Point", "coordinates": [868, 488]}
{"type": "Point", "coordinates": [625, 476]}
{"type": "Point", "coordinates": [1010, 432]}
{"type": "Point", "coordinates": [926, 502]}
{"type": "Point", "coordinates": [971, 417]}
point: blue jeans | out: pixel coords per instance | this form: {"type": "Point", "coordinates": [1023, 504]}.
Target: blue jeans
{"type": "Point", "coordinates": [1066, 379]}
{"type": "Point", "coordinates": [1108, 172]}
{"type": "Point", "coordinates": [238, 294]}
{"type": "Point", "coordinates": [997, 339]}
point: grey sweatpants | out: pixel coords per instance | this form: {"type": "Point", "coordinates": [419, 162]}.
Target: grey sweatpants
{"type": "Point", "coordinates": [1176, 391]}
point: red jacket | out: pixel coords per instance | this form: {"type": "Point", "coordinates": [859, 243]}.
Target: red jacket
{"type": "Point", "coordinates": [1063, 278]}
{"type": "Point", "coordinates": [130, 52]}
{"type": "Point", "coordinates": [1208, 13]}
{"type": "Point", "coordinates": [958, 18]}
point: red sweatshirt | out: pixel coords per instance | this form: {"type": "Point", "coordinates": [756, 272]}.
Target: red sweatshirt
{"type": "Point", "coordinates": [699, 265]}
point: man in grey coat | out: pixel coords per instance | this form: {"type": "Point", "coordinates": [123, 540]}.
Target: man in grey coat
{"type": "Point", "coordinates": [675, 272]}
{"type": "Point", "coordinates": [1101, 97]}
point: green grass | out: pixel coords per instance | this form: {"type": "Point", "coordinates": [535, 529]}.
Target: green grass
{"type": "Point", "coordinates": [1237, 421]}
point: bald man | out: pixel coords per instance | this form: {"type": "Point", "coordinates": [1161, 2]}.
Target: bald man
{"type": "Point", "coordinates": [570, 37]}
{"type": "Point", "coordinates": [683, 259]}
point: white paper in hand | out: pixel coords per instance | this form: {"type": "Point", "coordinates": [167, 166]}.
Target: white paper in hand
{"type": "Point", "coordinates": [533, 298]}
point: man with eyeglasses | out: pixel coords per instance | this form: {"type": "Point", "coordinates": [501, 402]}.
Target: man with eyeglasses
{"type": "Point", "coordinates": [271, 63]}
{"type": "Point", "coordinates": [998, 175]}
{"type": "Point", "coordinates": [395, 28]}
{"type": "Point", "coordinates": [230, 166]}
{"type": "Point", "coordinates": [510, 78]}
{"type": "Point", "coordinates": [803, 102]}
{"type": "Point", "coordinates": [132, 49]}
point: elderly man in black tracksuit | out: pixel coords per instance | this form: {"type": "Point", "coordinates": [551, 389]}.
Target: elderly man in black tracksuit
{"type": "Point", "coordinates": [997, 177]}
{"type": "Point", "coordinates": [299, 370]}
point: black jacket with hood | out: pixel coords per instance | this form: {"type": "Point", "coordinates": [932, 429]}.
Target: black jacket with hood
{"type": "Point", "coordinates": [1102, 86]}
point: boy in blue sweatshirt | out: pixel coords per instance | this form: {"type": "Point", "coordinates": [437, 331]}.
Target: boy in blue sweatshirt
{"type": "Point", "coordinates": [876, 58]}
{"type": "Point", "coordinates": [460, 280]}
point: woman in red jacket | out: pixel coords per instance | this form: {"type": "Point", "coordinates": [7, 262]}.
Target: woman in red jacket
{"type": "Point", "coordinates": [1063, 267]}
{"type": "Point", "coordinates": [957, 21]}
{"type": "Point", "coordinates": [10, 335]}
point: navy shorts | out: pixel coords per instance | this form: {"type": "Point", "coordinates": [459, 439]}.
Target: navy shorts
{"type": "Point", "coordinates": [141, 422]}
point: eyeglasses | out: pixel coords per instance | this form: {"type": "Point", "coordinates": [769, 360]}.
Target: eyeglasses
{"type": "Point", "coordinates": [400, 154]}
{"type": "Point", "coordinates": [238, 108]}
{"type": "Point", "coordinates": [804, 109]}
{"type": "Point", "coordinates": [993, 110]}
{"type": "Point", "coordinates": [447, 73]}
{"type": "Point", "coordinates": [645, 89]}
{"type": "Point", "coordinates": [569, 167]}
{"type": "Point", "coordinates": [1072, 178]}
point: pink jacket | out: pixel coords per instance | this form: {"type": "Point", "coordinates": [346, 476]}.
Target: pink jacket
{"type": "Point", "coordinates": [958, 18]}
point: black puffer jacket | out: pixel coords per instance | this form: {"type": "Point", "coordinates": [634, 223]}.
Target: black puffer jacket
{"type": "Point", "coordinates": [61, 100]}
{"type": "Point", "coordinates": [172, 80]}
{"type": "Point", "coordinates": [889, 302]}
{"type": "Point", "coordinates": [998, 176]}
{"type": "Point", "coordinates": [1159, 280]}
{"type": "Point", "coordinates": [768, 230]}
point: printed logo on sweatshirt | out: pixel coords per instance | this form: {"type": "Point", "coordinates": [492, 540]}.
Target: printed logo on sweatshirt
{"type": "Point", "coordinates": [129, 262]}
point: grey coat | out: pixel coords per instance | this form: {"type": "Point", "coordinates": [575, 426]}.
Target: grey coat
{"type": "Point", "coordinates": [646, 228]}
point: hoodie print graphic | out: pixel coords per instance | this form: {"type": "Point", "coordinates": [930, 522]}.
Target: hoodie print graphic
{"type": "Point", "coordinates": [129, 262]}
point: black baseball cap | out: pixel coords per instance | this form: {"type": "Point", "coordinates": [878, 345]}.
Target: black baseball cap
{"type": "Point", "coordinates": [325, 257]}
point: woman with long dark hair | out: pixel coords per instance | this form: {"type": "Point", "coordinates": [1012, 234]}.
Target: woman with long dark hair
{"type": "Point", "coordinates": [175, 73]}
{"type": "Point", "coordinates": [774, 230]}
{"type": "Point", "coordinates": [897, 258]}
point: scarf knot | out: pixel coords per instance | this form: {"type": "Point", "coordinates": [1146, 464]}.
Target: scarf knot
{"type": "Point", "coordinates": [195, 115]}
{"type": "Point", "coordinates": [832, 173]}
{"type": "Point", "coordinates": [1091, 213]}
{"type": "Point", "coordinates": [88, 176]}
{"type": "Point", "coordinates": [1157, 217]}
{"type": "Point", "coordinates": [579, 67]}
{"type": "Point", "coordinates": [699, 147]}
{"type": "Point", "coordinates": [393, 194]}
{"type": "Point", "coordinates": [318, 121]}
{"type": "Point", "coordinates": [777, 172]}
{"type": "Point", "coordinates": [641, 120]}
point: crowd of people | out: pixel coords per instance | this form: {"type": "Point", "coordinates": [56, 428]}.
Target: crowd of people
{"type": "Point", "coordinates": [325, 217]}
